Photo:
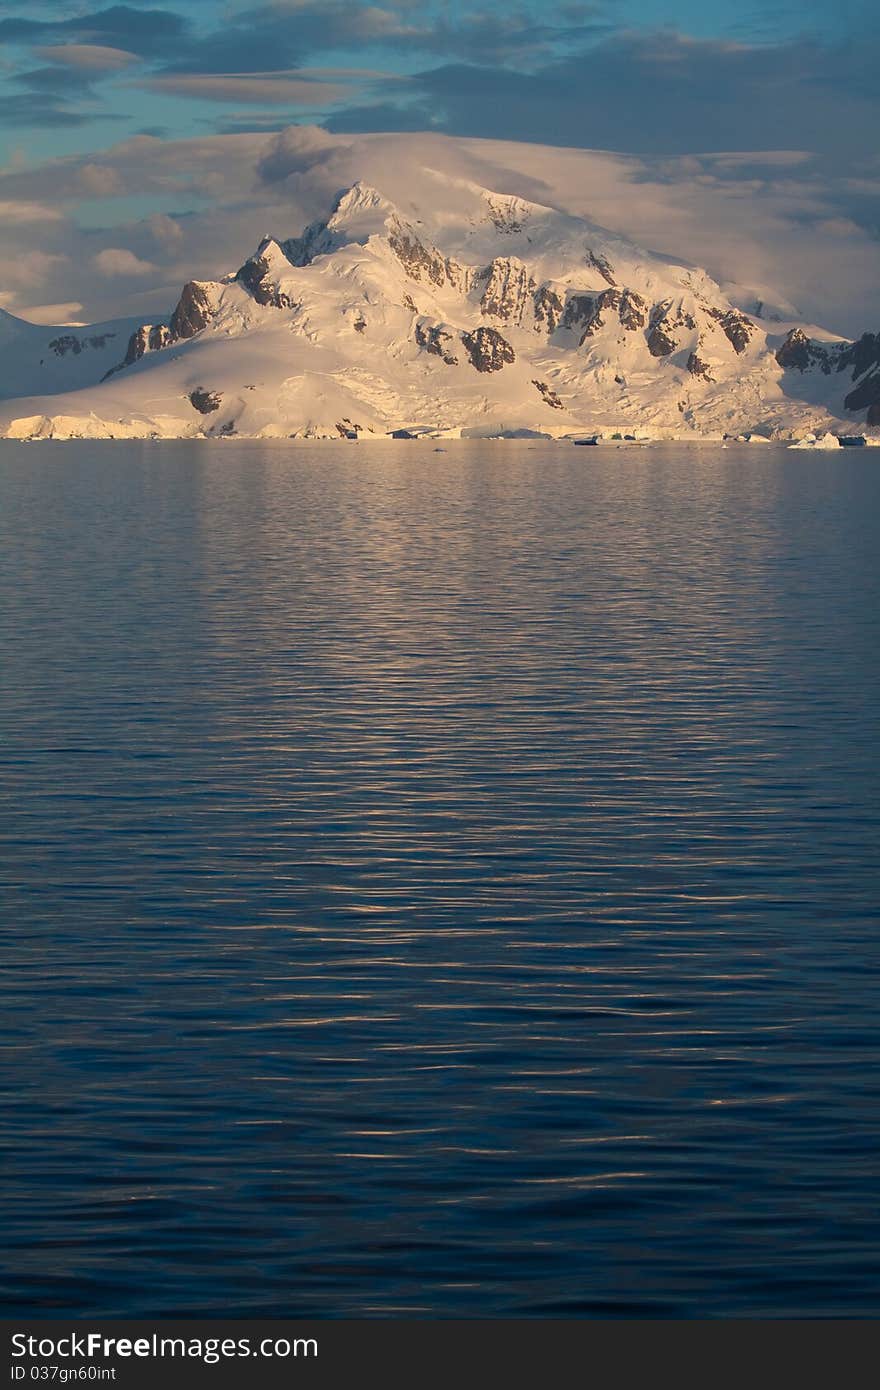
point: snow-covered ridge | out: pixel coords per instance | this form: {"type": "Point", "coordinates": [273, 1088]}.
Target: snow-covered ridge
{"type": "Point", "coordinates": [462, 310]}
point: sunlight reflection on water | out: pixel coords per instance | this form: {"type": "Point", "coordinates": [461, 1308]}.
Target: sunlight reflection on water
{"type": "Point", "coordinates": [439, 884]}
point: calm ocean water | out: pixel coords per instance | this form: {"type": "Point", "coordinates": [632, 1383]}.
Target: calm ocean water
{"type": "Point", "coordinates": [440, 883]}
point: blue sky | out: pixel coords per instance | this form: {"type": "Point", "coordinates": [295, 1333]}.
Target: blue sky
{"type": "Point", "coordinates": [138, 138]}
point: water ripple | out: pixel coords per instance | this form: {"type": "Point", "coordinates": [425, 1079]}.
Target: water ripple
{"type": "Point", "coordinates": [439, 885]}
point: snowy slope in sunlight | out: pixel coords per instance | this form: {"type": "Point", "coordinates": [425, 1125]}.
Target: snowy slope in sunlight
{"type": "Point", "coordinates": [458, 310]}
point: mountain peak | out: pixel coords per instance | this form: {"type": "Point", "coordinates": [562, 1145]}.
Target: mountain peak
{"type": "Point", "coordinates": [358, 203]}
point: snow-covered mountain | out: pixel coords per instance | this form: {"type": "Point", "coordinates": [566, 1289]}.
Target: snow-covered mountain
{"type": "Point", "coordinates": [459, 311]}
{"type": "Point", "coordinates": [45, 360]}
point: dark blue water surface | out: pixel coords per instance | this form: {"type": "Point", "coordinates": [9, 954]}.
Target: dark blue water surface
{"type": "Point", "coordinates": [440, 883]}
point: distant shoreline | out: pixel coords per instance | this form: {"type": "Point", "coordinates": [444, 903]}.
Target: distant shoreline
{"type": "Point", "coordinates": [617, 440]}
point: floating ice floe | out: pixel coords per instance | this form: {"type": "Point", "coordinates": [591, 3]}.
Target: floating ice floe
{"type": "Point", "coordinates": [813, 441]}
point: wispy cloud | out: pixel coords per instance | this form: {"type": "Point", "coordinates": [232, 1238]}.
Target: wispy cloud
{"type": "Point", "coordinates": [87, 57]}
{"type": "Point", "coordinates": [150, 31]}
{"type": "Point", "coordinates": [272, 88]}
{"type": "Point", "coordinates": [661, 93]}
{"type": "Point", "coordinates": [22, 211]}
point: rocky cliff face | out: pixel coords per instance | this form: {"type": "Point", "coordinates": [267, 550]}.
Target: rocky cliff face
{"type": "Point", "coordinates": [258, 275]}
{"type": "Point", "coordinates": [799, 353]}
{"type": "Point", "coordinates": [192, 314]}
{"type": "Point", "coordinates": [487, 350]}
{"type": "Point", "coordinates": [737, 329]}
{"type": "Point", "coordinates": [549, 309]}
{"type": "Point", "coordinates": [862, 360]}
{"type": "Point", "coordinates": [424, 263]}
{"type": "Point", "coordinates": [437, 341]}
{"type": "Point", "coordinates": [509, 290]}
{"type": "Point", "coordinates": [603, 265]}
{"type": "Point", "coordinates": [150, 337]}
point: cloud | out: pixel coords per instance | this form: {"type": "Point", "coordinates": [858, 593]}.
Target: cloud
{"type": "Point", "coordinates": [14, 211]}
{"type": "Point", "coordinates": [262, 38]}
{"type": "Point", "coordinates": [294, 150]}
{"type": "Point", "coordinates": [55, 79]}
{"type": "Point", "coordinates": [100, 181]}
{"type": "Point", "coordinates": [115, 260]}
{"type": "Point", "coordinates": [143, 32]}
{"type": "Point", "coordinates": [62, 314]}
{"type": "Point", "coordinates": [381, 115]}
{"type": "Point", "coordinates": [87, 57]}
{"type": "Point", "coordinates": [562, 76]}
{"type": "Point", "coordinates": [283, 88]}
{"type": "Point", "coordinates": [662, 94]}
{"type": "Point", "coordinates": [165, 231]}
{"type": "Point", "coordinates": [35, 267]}
{"type": "Point", "coordinates": [801, 225]}
{"type": "Point", "coordinates": [38, 110]}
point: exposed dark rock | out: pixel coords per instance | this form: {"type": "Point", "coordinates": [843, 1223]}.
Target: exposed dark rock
{"type": "Point", "coordinates": [360, 325]}
{"type": "Point", "coordinates": [659, 342]}
{"type": "Point", "coordinates": [302, 250]}
{"type": "Point", "coordinates": [549, 394]}
{"type": "Point", "coordinates": [205, 402]}
{"type": "Point", "coordinates": [193, 312]}
{"type": "Point", "coordinates": [607, 302]}
{"type": "Point", "coordinates": [416, 260]}
{"type": "Point", "coordinates": [503, 218]}
{"type": "Point", "coordinates": [735, 326]}
{"type": "Point", "coordinates": [633, 310]}
{"type": "Point", "coordinates": [423, 263]}
{"type": "Point", "coordinates": [434, 339]}
{"type": "Point", "coordinates": [138, 344]}
{"type": "Point", "coordinates": [346, 429]}
{"type": "Point", "coordinates": [403, 434]}
{"type": "Point", "coordinates": [603, 265]}
{"type": "Point", "coordinates": [487, 350]}
{"type": "Point", "coordinates": [697, 367]}
{"type": "Point", "coordinates": [799, 352]}
{"type": "Point", "coordinates": [150, 337]}
{"type": "Point", "coordinates": [68, 342]}
{"type": "Point", "coordinates": [255, 277]}
{"type": "Point", "coordinates": [864, 358]}
{"type": "Point", "coordinates": [548, 309]}
{"type": "Point", "coordinates": [860, 355]}
{"type": "Point", "coordinates": [866, 394]}
{"type": "Point", "coordinates": [578, 310]}
{"type": "Point", "coordinates": [409, 304]}
{"type": "Point", "coordinates": [664, 321]}
{"type": "Point", "coordinates": [795, 351]}
{"type": "Point", "coordinates": [509, 287]}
